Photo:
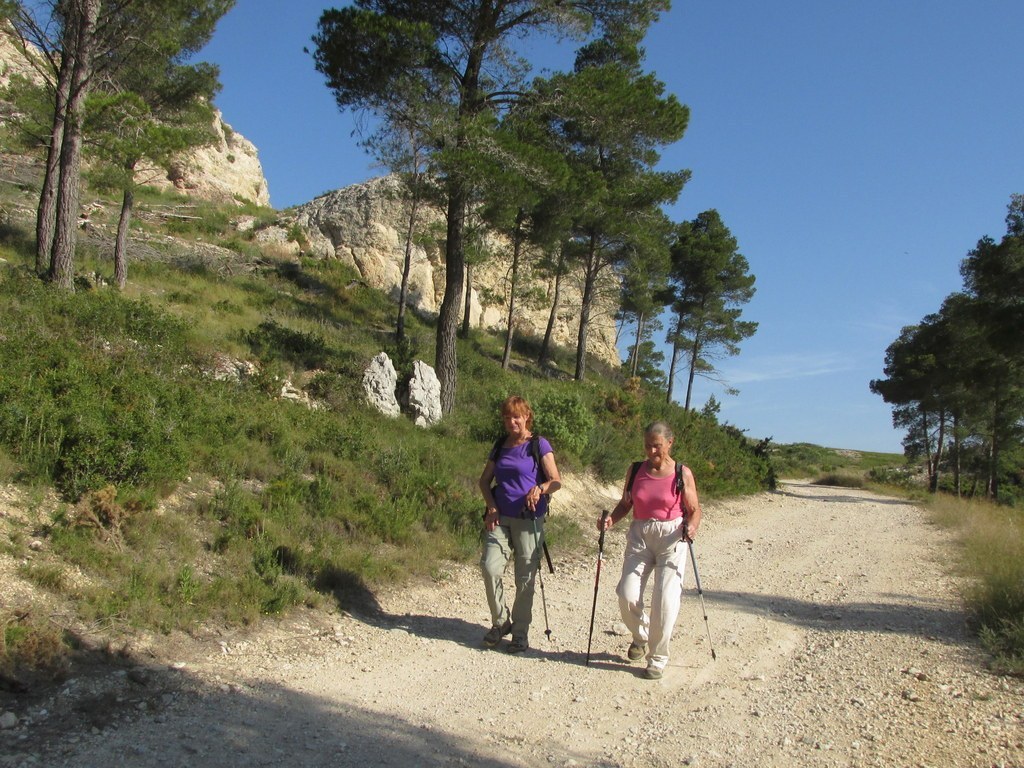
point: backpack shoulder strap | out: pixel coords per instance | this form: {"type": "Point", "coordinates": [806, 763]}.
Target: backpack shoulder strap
{"type": "Point", "coordinates": [680, 487]}
{"type": "Point", "coordinates": [535, 452]}
{"type": "Point", "coordinates": [496, 450]}
{"type": "Point", "coordinates": [633, 469]}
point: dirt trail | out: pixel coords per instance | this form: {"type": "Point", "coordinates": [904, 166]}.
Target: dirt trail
{"type": "Point", "coordinates": [834, 620]}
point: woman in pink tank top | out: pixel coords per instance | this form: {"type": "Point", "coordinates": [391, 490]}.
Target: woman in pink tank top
{"type": "Point", "coordinates": [666, 513]}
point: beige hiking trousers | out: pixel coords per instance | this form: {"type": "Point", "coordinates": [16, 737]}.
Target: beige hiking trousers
{"type": "Point", "coordinates": [656, 552]}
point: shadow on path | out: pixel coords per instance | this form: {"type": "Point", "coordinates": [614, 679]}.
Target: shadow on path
{"type": "Point", "coordinates": [268, 726]}
{"type": "Point", "coordinates": [837, 499]}
{"type": "Point", "coordinates": [904, 614]}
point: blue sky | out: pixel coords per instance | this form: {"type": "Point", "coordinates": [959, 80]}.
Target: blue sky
{"type": "Point", "coordinates": [857, 151]}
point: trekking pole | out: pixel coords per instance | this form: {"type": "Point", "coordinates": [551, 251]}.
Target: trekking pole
{"type": "Point", "coordinates": [540, 575]}
{"type": "Point", "coordinates": [547, 556]}
{"type": "Point", "coordinates": [700, 593]}
{"type": "Point", "coordinates": [597, 580]}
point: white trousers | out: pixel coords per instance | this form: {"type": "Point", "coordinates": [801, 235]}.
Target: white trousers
{"type": "Point", "coordinates": [653, 548]}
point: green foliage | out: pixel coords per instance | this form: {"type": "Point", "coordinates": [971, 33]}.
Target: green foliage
{"type": "Point", "coordinates": [955, 380]}
{"type": "Point", "coordinates": [91, 394]}
{"type": "Point", "coordinates": [711, 281]}
{"type": "Point", "coordinates": [610, 119]}
{"type": "Point", "coordinates": [566, 420]}
{"type": "Point", "coordinates": [302, 349]}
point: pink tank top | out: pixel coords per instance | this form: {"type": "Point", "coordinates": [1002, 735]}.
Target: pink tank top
{"type": "Point", "coordinates": [655, 498]}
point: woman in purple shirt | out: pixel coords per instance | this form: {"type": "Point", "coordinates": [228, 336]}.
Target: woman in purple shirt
{"type": "Point", "coordinates": [516, 488]}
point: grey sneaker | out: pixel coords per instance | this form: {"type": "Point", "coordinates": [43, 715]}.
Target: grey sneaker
{"type": "Point", "coordinates": [636, 651]}
{"type": "Point", "coordinates": [517, 645]}
{"type": "Point", "coordinates": [495, 633]}
{"type": "Point", "coordinates": [652, 673]}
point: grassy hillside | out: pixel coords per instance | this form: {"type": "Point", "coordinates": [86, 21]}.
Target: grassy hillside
{"type": "Point", "coordinates": [808, 461]}
{"type": "Point", "coordinates": [188, 493]}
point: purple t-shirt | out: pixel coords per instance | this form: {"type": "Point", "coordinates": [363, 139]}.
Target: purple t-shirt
{"type": "Point", "coordinates": [515, 473]}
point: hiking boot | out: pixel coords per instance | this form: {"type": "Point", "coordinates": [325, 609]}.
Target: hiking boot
{"type": "Point", "coordinates": [636, 651]}
{"type": "Point", "coordinates": [495, 633]}
{"type": "Point", "coordinates": [653, 673]}
{"type": "Point", "coordinates": [517, 645]}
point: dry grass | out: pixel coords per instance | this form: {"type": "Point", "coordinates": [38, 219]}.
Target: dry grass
{"type": "Point", "coordinates": [992, 560]}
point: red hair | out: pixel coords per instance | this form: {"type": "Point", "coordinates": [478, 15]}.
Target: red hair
{"type": "Point", "coordinates": [517, 406]}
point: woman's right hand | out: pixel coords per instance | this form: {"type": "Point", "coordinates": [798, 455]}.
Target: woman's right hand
{"type": "Point", "coordinates": [491, 518]}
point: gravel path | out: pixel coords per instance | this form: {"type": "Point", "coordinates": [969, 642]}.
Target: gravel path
{"type": "Point", "coordinates": [834, 619]}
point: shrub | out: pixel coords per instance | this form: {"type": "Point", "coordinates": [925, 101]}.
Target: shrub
{"type": "Point", "coordinates": [565, 420]}
{"type": "Point", "coordinates": [91, 394]}
{"type": "Point", "coordinates": [271, 340]}
{"type": "Point", "coordinates": [841, 480]}
{"type": "Point", "coordinates": [31, 643]}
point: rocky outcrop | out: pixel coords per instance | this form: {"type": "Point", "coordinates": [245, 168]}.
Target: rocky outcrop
{"type": "Point", "coordinates": [228, 170]}
{"type": "Point", "coordinates": [17, 58]}
{"type": "Point", "coordinates": [379, 382]}
{"type": "Point", "coordinates": [424, 395]}
{"type": "Point", "coordinates": [364, 226]}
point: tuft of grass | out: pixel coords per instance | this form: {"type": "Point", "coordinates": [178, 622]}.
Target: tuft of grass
{"type": "Point", "coordinates": [840, 480]}
{"type": "Point", "coordinates": [46, 575]}
{"type": "Point", "coordinates": [992, 562]}
{"type": "Point", "coordinates": [31, 644]}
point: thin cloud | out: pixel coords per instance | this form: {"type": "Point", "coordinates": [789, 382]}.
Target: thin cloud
{"type": "Point", "coordinates": [789, 367]}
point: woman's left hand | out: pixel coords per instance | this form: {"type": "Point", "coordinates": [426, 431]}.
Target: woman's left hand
{"type": "Point", "coordinates": [533, 498]}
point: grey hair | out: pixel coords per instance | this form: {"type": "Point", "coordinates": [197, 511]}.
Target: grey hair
{"type": "Point", "coordinates": [659, 428]}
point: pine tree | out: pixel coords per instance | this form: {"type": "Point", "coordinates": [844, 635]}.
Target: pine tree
{"type": "Point", "coordinates": [611, 118]}
{"type": "Point", "coordinates": [118, 42]}
{"type": "Point", "coordinates": [712, 281]}
{"type": "Point", "coordinates": [458, 56]}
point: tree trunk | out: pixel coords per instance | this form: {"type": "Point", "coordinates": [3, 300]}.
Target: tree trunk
{"type": "Point", "coordinates": [675, 359]}
{"type": "Point", "coordinates": [694, 353]}
{"type": "Point", "coordinates": [545, 347]}
{"type": "Point", "coordinates": [933, 475]}
{"type": "Point", "coordinates": [68, 190]}
{"type": "Point", "coordinates": [517, 245]}
{"type": "Point", "coordinates": [997, 440]}
{"type": "Point", "coordinates": [46, 214]}
{"type": "Point", "coordinates": [926, 440]}
{"type": "Point", "coordinates": [634, 364]}
{"type": "Point", "coordinates": [468, 302]}
{"type": "Point", "coordinates": [588, 299]}
{"type": "Point", "coordinates": [446, 355]}
{"type": "Point", "coordinates": [403, 294]}
{"type": "Point", "coordinates": [956, 457]}
{"type": "Point", "coordinates": [121, 241]}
